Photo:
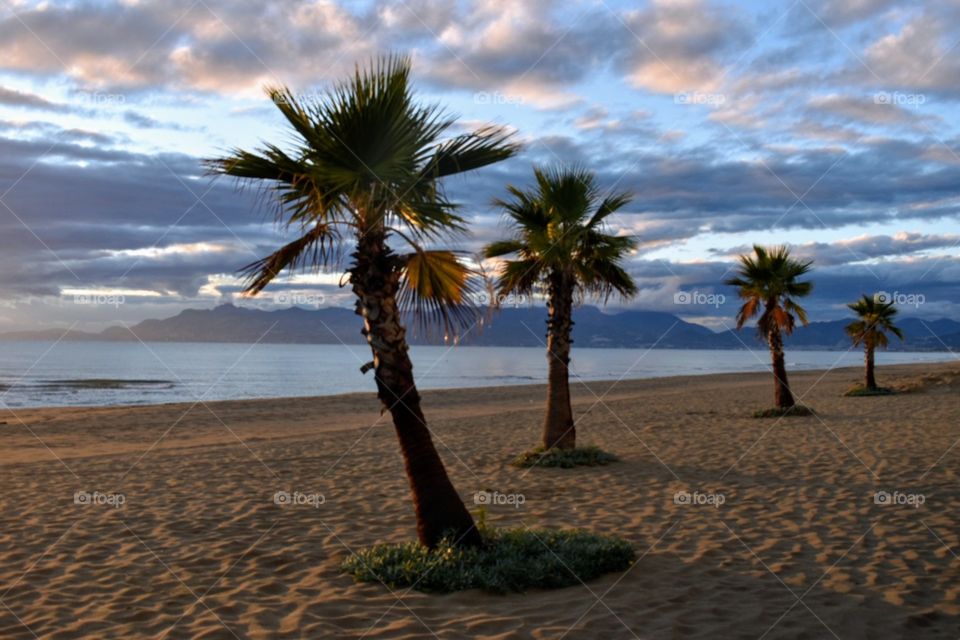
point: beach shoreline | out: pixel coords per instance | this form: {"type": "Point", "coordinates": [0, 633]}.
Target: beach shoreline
{"type": "Point", "coordinates": [293, 416]}
{"type": "Point", "coordinates": [798, 519]}
{"type": "Point", "coordinates": [171, 373]}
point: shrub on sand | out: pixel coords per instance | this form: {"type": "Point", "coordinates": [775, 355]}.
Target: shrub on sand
{"type": "Point", "coordinates": [778, 412]}
{"type": "Point", "coordinates": [509, 560]}
{"type": "Point", "coordinates": [860, 391]}
{"type": "Point", "coordinates": [564, 458]}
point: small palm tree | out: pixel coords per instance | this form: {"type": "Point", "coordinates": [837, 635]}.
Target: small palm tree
{"type": "Point", "coordinates": [874, 320]}
{"type": "Point", "coordinates": [562, 248]}
{"type": "Point", "coordinates": [363, 175]}
{"type": "Point", "coordinates": [769, 283]}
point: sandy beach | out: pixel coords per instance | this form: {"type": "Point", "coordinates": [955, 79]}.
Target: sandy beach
{"type": "Point", "coordinates": [782, 536]}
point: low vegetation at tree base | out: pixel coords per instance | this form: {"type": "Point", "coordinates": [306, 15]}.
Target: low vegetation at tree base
{"type": "Point", "coordinates": [509, 560]}
{"type": "Point", "coordinates": [860, 391]}
{"type": "Point", "coordinates": [779, 412]}
{"type": "Point", "coordinates": [565, 458]}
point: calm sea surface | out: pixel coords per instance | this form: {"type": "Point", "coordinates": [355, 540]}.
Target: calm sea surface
{"type": "Point", "coordinates": [38, 374]}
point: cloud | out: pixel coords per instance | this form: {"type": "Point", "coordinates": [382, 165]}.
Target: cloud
{"type": "Point", "coordinates": [15, 98]}
{"type": "Point", "coordinates": [209, 46]}
{"type": "Point", "coordinates": [934, 277]}
{"type": "Point", "coordinates": [878, 109]}
{"type": "Point", "coordinates": [805, 139]}
{"type": "Point", "coordinates": [682, 45]}
{"type": "Point", "coordinates": [629, 126]}
{"type": "Point", "coordinates": [863, 248]}
{"type": "Point", "coordinates": [142, 121]}
{"type": "Point", "coordinates": [690, 190]}
{"type": "Point", "coordinates": [919, 58]}
{"type": "Point", "coordinates": [818, 14]}
{"type": "Point", "coordinates": [531, 50]}
{"type": "Point", "coordinates": [49, 131]}
{"type": "Point", "coordinates": [110, 208]}
{"type": "Point", "coordinates": [812, 129]}
{"type": "Point", "coordinates": [113, 206]}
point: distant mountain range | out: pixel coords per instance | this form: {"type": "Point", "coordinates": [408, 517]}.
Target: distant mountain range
{"type": "Point", "coordinates": [511, 327]}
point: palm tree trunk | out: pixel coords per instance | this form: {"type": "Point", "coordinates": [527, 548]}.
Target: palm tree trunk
{"type": "Point", "coordinates": [782, 397]}
{"type": "Point", "coordinates": [868, 358]}
{"type": "Point", "coordinates": [439, 509]}
{"type": "Point", "coordinates": [558, 427]}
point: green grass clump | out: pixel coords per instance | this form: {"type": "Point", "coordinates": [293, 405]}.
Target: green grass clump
{"type": "Point", "coordinates": [860, 391]}
{"type": "Point", "coordinates": [777, 412]}
{"type": "Point", "coordinates": [565, 458]}
{"type": "Point", "coordinates": [510, 560]}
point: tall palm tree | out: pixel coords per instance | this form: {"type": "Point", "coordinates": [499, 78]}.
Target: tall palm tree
{"type": "Point", "coordinates": [874, 320]}
{"type": "Point", "coordinates": [362, 175]}
{"type": "Point", "coordinates": [562, 249]}
{"type": "Point", "coordinates": [769, 283]}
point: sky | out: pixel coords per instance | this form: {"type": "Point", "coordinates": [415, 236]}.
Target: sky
{"type": "Point", "coordinates": [828, 126]}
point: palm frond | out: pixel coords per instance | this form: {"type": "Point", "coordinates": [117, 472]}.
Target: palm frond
{"type": "Point", "coordinates": [502, 248]}
{"type": "Point", "coordinates": [521, 276]}
{"type": "Point", "coordinates": [747, 311]}
{"type": "Point", "coordinates": [769, 278]}
{"type": "Point", "coordinates": [793, 307]}
{"type": "Point", "coordinates": [558, 228]}
{"type": "Point", "coordinates": [605, 278]}
{"type": "Point", "coordinates": [610, 205]}
{"type": "Point", "coordinates": [481, 148]}
{"type": "Point", "coordinates": [293, 110]}
{"type": "Point", "coordinates": [437, 289]}
{"type": "Point", "coordinates": [317, 248]}
{"type": "Point", "coordinates": [874, 320]}
{"type": "Point", "coordinates": [526, 213]}
{"type": "Point", "coordinates": [366, 157]}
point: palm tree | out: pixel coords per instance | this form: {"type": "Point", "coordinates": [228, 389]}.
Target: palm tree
{"type": "Point", "coordinates": [769, 283]}
{"type": "Point", "coordinates": [363, 176]}
{"type": "Point", "coordinates": [562, 248]}
{"type": "Point", "coordinates": [875, 320]}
